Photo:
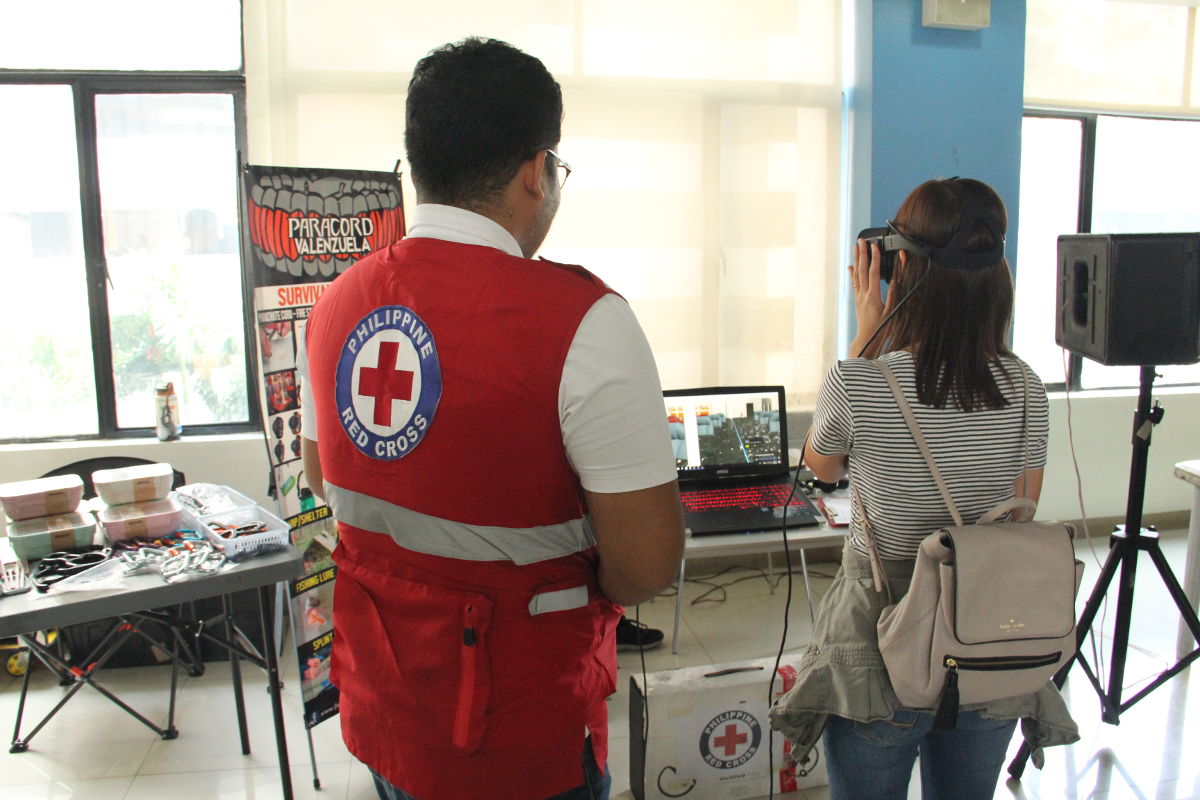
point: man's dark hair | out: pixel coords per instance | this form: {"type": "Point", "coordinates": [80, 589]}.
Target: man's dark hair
{"type": "Point", "coordinates": [476, 110]}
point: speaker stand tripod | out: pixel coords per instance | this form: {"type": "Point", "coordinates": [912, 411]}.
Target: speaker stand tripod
{"type": "Point", "coordinates": [1125, 544]}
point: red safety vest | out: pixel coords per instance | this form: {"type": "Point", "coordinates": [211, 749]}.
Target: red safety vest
{"type": "Point", "coordinates": [472, 645]}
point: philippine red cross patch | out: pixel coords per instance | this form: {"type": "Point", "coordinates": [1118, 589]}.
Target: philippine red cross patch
{"type": "Point", "coordinates": [388, 383]}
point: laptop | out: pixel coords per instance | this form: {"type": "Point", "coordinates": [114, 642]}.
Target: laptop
{"type": "Point", "coordinates": [730, 448]}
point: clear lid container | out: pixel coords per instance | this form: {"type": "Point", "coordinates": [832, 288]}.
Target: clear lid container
{"type": "Point", "coordinates": [137, 484]}
{"type": "Point", "coordinates": [41, 497]}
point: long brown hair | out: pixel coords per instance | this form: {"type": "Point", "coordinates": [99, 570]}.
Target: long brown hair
{"type": "Point", "coordinates": [956, 323]}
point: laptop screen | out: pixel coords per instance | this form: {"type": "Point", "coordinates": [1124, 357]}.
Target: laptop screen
{"type": "Point", "coordinates": [725, 432]}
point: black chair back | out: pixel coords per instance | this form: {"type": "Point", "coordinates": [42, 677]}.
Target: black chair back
{"type": "Point", "coordinates": [87, 466]}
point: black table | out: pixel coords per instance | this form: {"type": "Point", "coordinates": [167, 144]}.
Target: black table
{"type": "Point", "coordinates": [23, 615]}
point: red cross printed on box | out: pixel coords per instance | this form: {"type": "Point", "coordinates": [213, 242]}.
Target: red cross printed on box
{"type": "Point", "coordinates": [385, 383]}
{"type": "Point", "coordinates": [731, 739]}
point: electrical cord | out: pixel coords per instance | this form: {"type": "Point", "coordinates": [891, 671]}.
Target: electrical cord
{"type": "Point", "coordinates": [637, 618]}
{"type": "Point", "coordinates": [1097, 653]}
{"type": "Point", "coordinates": [787, 607]}
{"type": "Point", "coordinates": [772, 581]}
{"type": "Point", "coordinates": [707, 580]}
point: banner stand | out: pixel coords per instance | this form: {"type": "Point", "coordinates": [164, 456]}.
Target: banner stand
{"type": "Point", "coordinates": [312, 756]}
{"type": "Point", "coordinates": [302, 228]}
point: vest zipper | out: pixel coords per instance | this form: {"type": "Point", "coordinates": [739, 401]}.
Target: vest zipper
{"type": "Point", "coordinates": [466, 678]}
{"type": "Point", "coordinates": [945, 715]}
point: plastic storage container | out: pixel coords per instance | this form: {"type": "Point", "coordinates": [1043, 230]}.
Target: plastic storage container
{"type": "Point", "coordinates": [138, 484]}
{"type": "Point", "coordinates": [42, 497]}
{"type": "Point", "coordinates": [37, 538]}
{"type": "Point", "coordinates": [276, 535]}
{"type": "Point", "coordinates": [140, 520]}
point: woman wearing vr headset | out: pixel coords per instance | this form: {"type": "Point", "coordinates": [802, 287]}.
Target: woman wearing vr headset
{"type": "Point", "coordinates": [942, 331]}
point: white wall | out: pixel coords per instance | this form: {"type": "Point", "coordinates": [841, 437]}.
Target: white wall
{"type": "Point", "coordinates": [1103, 424]}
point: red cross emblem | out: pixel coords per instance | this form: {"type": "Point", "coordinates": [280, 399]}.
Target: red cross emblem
{"type": "Point", "coordinates": [385, 383]}
{"type": "Point", "coordinates": [731, 739]}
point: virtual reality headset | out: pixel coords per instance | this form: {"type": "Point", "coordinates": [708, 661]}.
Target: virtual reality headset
{"type": "Point", "coordinates": [953, 256]}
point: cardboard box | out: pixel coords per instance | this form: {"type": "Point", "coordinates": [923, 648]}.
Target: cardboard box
{"type": "Point", "coordinates": [709, 734]}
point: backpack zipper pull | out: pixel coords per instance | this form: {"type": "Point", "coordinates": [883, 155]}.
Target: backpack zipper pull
{"type": "Point", "coordinates": [945, 718]}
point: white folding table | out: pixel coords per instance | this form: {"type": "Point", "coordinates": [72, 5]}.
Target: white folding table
{"type": "Point", "coordinates": [23, 614]}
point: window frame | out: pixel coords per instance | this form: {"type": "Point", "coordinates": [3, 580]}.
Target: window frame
{"type": "Point", "coordinates": [1089, 124]}
{"type": "Point", "coordinates": [85, 87]}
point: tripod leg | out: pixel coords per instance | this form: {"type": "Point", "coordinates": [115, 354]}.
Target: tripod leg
{"type": "Point", "coordinates": [1116, 553]}
{"type": "Point", "coordinates": [1120, 647]}
{"type": "Point", "coordinates": [1016, 767]}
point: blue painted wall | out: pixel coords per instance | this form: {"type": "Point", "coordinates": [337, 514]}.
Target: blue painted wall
{"type": "Point", "coordinates": [944, 103]}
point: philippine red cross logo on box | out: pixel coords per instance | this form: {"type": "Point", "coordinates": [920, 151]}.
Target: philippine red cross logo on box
{"type": "Point", "coordinates": [388, 383]}
{"type": "Point", "coordinates": [730, 739]}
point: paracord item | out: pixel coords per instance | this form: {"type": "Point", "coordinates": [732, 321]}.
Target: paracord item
{"type": "Point", "coordinates": [58, 566]}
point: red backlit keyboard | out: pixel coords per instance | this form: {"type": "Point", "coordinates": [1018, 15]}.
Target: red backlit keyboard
{"type": "Point", "coordinates": [740, 497]}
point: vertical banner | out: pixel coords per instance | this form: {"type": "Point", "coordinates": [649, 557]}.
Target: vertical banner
{"type": "Point", "coordinates": [306, 226]}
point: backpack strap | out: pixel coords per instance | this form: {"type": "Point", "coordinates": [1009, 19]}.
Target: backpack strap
{"type": "Point", "coordinates": [1025, 435]}
{"type": "Point", "coordinates": [877, 573]}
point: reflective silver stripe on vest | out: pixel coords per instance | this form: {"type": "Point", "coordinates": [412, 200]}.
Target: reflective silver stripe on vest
{"type": "Point", "coordinates": [441, 537]}
{"type": "Point", "coordinates": [562, 600]}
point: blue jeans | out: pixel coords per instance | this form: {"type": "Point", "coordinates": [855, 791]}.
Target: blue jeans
{"type": "Point", "coordinates": [874, 760]}
{"type": "Point", "coordinates": [596, 786]}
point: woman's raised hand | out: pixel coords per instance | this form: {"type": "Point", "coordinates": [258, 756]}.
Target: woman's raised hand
{"type": "Point", "coordinates": [868, 297]}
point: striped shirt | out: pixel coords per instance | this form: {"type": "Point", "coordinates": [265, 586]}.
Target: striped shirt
{"type": "Point", "coordinates": [980, 454]}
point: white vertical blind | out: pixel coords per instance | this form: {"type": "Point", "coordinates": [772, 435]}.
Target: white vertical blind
{"type": "Point", "coordinates": [704, 135]}
{"type": "Point", "coordinates": [1111, 55]}
{"type": "Point", "coordinates": [120, 35]}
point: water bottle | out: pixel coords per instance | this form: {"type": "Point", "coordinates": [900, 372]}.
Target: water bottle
{"type": "Point", "coordinates": [166, 417]}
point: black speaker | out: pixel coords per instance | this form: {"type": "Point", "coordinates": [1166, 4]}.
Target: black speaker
{"type": "Point", "coordinates": [1130, 298]}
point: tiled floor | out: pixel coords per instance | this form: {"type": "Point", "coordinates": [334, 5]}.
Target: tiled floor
{"type": "Point", "coordinates": [94, 751]}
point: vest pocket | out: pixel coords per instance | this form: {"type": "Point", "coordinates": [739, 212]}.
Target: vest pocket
{"type": "Point", "coordinates": [414, 659]}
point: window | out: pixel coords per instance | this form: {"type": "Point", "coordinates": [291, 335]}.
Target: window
{"type": "Point", "coordinates": [1096, 173]}
{"type": "Point", "coordinates": [1049, 203]}
{"type": "Point", "coordinates": [119, 223]}
{"type": "Point", "coordinates": [46, 332]}
{"type": "Point", "coordinates": [1117, 155]}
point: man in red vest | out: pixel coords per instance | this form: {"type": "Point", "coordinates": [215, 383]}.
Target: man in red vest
{"type": "Point", "coordinates": [490, 433]}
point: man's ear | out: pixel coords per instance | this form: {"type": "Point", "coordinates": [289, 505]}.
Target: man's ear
{"type": "Point", "coordinates": [531, 175]}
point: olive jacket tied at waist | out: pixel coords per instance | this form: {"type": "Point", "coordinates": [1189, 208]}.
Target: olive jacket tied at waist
{"type": "Point", "coordinates": [842, 671]}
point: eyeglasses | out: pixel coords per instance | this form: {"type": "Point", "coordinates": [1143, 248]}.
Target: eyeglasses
{"type": "Point", "coordinates": [562, 165]}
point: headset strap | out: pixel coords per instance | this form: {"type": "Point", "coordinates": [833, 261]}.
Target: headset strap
{"type": "Point", "coordinates": [954, 254]}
